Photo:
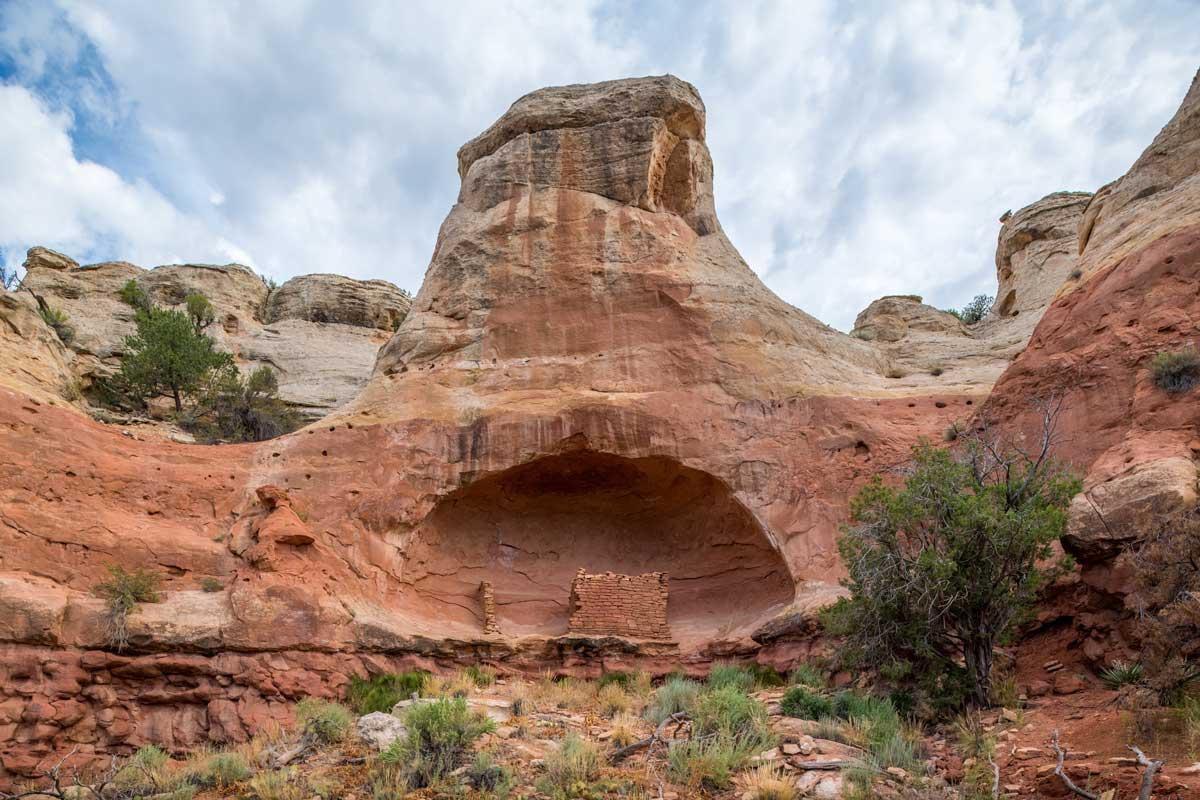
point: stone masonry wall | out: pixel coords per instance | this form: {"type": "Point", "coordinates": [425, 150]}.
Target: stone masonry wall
{"type": "Point", "coordinates": [487, 600]}
{"type": "Point", "coordinates": [620, 605]}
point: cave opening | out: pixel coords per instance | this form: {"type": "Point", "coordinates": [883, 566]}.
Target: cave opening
{"type": "Point", "coordinates": [529, 529]}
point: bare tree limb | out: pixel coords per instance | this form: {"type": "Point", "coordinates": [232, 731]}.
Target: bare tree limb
{"type": "Point", "coordinates": [679, 717]}
{"type": "Point", "coordinates": [836, 763]}
{"type": "Point", "coordinates": [1061, 773]}
{"type": "Point", "coordinates": [1148, 776]}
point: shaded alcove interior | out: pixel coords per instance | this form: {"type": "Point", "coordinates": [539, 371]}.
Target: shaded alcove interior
{"type": "Point", "coordinates": [528, 530]}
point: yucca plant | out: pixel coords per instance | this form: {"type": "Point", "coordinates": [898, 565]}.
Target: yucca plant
{"type": "Point", "coordinates": [1121, 673]}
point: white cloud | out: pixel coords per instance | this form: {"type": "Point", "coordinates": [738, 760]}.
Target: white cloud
{"type": "Point", "coordinates": [859, 149]}
{"type": "Point", "coordinates": [885, 169]}
{"type": "Point", "coordinates": [50, 197]}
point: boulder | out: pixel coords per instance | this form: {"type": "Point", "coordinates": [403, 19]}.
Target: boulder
{"type": "Point", "coordinates": [379, 729]}
{"type": "Point", "coordinates": [333, 298]}
{"type": "Point", "coordinates": [45, 258]}
{"type": "Point", "coordinates": [1110, 516]}
{"type": "Point", "coordinates": [820, 784]}
{"type": "Point", "coordinates": [31, 610]}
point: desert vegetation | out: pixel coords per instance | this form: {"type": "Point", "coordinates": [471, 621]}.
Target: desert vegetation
{"type": "Point", "coordinates": [741, 731]}
{"type": "Point", "coordinates": [975, 310]}
{"type": "Point", "coordinates": [170, 356]}
{"type": "Point", "coordinates": [123, 592]}
{"type": "Point", "coordinates": [1166, 570]}
{"type": "Point", "coordinates": [59, 322]}
{"type": "Point", "coordinates": [1176, 371]}
{"type": "Point", "coordinates": [943, 567]}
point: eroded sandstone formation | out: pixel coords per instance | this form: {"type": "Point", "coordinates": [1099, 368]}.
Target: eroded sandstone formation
{"type": "Point", "coordinates": [320, 333]}
{"type": "Point", "coordinates": [1036, 255]}
{"type": "Point", "coordinates": [590, 378]}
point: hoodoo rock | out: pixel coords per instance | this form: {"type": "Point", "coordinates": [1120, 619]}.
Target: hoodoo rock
{"type": "Point", "coordinates": [590, 380]}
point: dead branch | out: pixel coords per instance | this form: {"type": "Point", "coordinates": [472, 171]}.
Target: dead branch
{"type": "Point", "coordinates": [836, 763]}
{"type": "Point", "coordinates": [995, 779]}
{"type": "Point", "coordinates": [75, 790]}
{"type": "Point", "coordinates": [1148, 776]}
{"type": "Point", "coordinates": [296, 753]}
{"type": "Point", "coordinates": [679, 717]}
{"type": "Point", "coordinates": [1061, 773]}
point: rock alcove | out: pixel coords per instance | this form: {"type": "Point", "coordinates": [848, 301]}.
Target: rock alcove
{"type": "Point", "coordinates": [529, 529]}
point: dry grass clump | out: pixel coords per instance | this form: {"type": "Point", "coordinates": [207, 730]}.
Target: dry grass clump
{"type": "Point", "coordinates": [218, 769]}
{"type": "Point", "coordinates": [677, 694]}
{"type": "Point", "coordinates": [571, 768]}
{"type": "Point", "coordinates": [613, 700]}
{"type": "Point", "coordinates": [625, 730]}
{"type": "Point", "coordinates": [460, 684]}
{"type": "Point", "coordinates": [150, 771]}
{"type": "Point", "coordinates": [1177, 371]}
{"type": "Point", "coordinates": [766, 782]}
{"type": "Point", "coordinates": [280, 784]}
{"type": "Point", "coordinates": [520, 699]}
{"type": "Point", "coordinates": [257, 751]}
{"type": "Point", "coordinates": [326, 722]}
{"type": "Point", "coordinates": [481, 675]}
{"type": "Point", "coordinates": [566, 694]}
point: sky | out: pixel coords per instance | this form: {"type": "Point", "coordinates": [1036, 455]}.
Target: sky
{"type": "Point", "coordinates": [860, 148]}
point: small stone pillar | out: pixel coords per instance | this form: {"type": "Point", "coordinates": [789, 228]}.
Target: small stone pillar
{"type": "Point", "coordinates": [488, 600]}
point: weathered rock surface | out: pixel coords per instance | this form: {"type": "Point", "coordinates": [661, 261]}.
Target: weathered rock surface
{"type": "Point", "coordinates": [1036, 254]}
{"type": "Point", "coordinates": [1134, 443]}
{"type": "Point", "coordinates": [333, 298]}
{"type": "Point", "coordinates": [35, 364]}
{"type": "Point", "coordinates": [320, 333]}
{"type": "Point", "coordinates": [379, 729]}
{"type": "Point", "coordinates": [1124, 509]}
{"type": "Point", "coordinates": [45, 258]}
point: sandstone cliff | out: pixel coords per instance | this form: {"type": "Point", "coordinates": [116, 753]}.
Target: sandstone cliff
{"type": "Point", "coordinates": [320, 333]}
{"type": "Point", "coordinates": [1135, 445]}
{"type": "Point", "coordinates": [590, 378]}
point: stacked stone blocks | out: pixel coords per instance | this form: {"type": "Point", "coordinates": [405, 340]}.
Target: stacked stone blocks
{"type": "Point", "coordinates": [608, 604]}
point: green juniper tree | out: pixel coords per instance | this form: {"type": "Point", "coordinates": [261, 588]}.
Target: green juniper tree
{"type": "Point", "coordinates": [975, 310]}
{"type": "Point", "coordinates": [943, 567]}
{"type": "Point", "coordinates": [168, 356]}
{"type": "Point", "coordinates": [199, 310]}
{"type": "Point", "coordinates": [134, 295]}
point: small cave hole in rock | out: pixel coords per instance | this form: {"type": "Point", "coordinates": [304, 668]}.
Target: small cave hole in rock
{"type": "Point", "coordinates": [528, 530]}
